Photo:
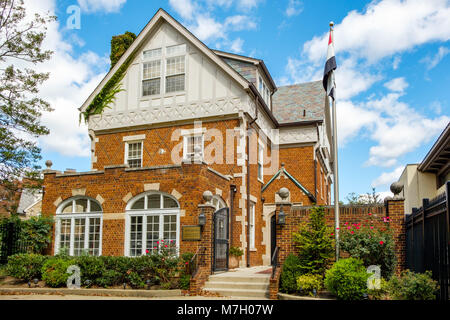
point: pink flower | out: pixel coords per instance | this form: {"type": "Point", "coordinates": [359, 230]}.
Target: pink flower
{"type": "Point", "coordinates": [187, 263]}
{"type": "Point", "coordinates": [157, 242]}
{"type": "Point", "coordinates": [352, 232]}
{"type": "Point", "coordinates": [345, 223]}
{"type": "Point", "coordinates": [370, 214]}
{"type": "Point", "coordinates": [381, 242]}
{"type": "Point", "coordinates": [337, 228]}
{"type": "Point", "coordinates": [332, 234]}
{"type": "Point", "coordinates": [371, 227]}
{"type": "Point", "coordinates": [165, 246]}
{"type": "Point", "coordinates": [357, 227]}
{"type": "Point", "coordinates": [146, 251]}
{"type": "Point", "coordinates": [349, 227]}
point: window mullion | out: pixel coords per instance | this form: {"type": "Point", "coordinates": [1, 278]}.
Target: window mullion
{"type": "Point", "coordinates": [144, 234]}
{"type": "Point", "coordinates": [72, 236]}
{"type": "Point", "coordinates": [86, 233]}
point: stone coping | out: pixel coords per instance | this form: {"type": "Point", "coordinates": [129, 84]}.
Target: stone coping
{"type": "Point", "coordinates": [92, 292]}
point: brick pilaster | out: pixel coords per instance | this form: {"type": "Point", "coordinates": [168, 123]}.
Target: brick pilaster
{"type": "Point", "coordinates": [396, 213]}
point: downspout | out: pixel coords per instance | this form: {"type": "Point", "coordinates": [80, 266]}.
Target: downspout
{"type": "Point", "coordinates": [248, 181]}
{"type": "Point", "coordinates": [232, 192]}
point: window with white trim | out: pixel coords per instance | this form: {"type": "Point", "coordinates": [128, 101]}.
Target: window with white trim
{"type": "Point", "coordinates": [152, 223]}
{"type": "Point", "coordinates": [151, 72]}
{"type": "Point", "coordinates": [252, 225]}
{"type": "Point", "coordinates": [175, 68]}
{"type": "Point", "coordinates": [193, 145]}
{"type": "Point", "coordinates": [133, 154]}
{"type": "Point", "coordinates": [260, 162]}
{"type": "Point", "coordinates": [78, 227]}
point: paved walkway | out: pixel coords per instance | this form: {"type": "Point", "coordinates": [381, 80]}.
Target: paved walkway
{"type": "Point", "coordinates": [250, 272]}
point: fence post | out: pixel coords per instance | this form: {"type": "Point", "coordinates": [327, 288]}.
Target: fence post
{"type": "Point", "coordinates": [425, 204]}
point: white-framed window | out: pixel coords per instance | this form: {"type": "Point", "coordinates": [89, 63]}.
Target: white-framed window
{"type": "Point", "coordinates": [151, 72]}
{"type": "Point", "coordinates": [133, 153]}
{"type": "Point", "coordinates": [193, 145]}
{"type": "Point", "coordinates": [164, 70]}
{"type": "Point", "coordinates": [252, 225]}
{"type": "Point", "coordinates": [261, 162]}
{"type": "Point", "coordinates": [79, 227]}
{"type": "Point", "coordinates": [264, 90]}
{"type": "Point", "coordinates": [152, 222]}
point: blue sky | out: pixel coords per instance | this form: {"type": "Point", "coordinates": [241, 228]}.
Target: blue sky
{"type": "Point", "coordinates": [392, 78]}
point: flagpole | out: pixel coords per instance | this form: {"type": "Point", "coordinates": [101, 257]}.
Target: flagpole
{"type": "Point", "coordinates": [335, 167]}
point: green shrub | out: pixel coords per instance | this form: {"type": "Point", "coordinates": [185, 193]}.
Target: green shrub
{"type": "Point", "coordinates": [413, 286]}
{"type": "Point", "coordinates": [307, 283]}
{"type": "Point", "coordinates": [25, 266]}
{"type": "Point", "coordinates": [91, 268]}
{"type": "Point", "coordinates": [373, 245]}
{"type": "Point", "coordinates": [135, 280]}
{"type": "Point", "coordinates": [290, 272]}
{"type": "Point", "coordinates": [315, 243]}
{"type": "Point", "coordinates": [185, 282]}
{"type": "Point", "coordinates": [109, 278]}
{"type": "Point", "coordinates": [54, 272]}
{"type": "Point", "coordinates": [347, 279]}
{"type": "Point", "coordinates": [236, 251]}
{"type": "Point", "coordinates": [379, 294]}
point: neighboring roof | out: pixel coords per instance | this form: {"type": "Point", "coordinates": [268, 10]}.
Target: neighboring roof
{"type": "Point", "coordinates": [299, 102]}
{"type": "Point", "coordinates": [439, 155]}
{"type": "Point", "coordinates": [28, 198]}
{"type": "Point", "coordinates": [295, 181]}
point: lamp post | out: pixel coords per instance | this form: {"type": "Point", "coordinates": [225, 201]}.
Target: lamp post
{"type": "Point", "coordinates": [284, 194]}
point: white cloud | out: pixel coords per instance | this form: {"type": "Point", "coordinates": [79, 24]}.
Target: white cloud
{"type": "Point", "coordinates": [432, 62]}
{"type": "Point", "coordinates": [239, 22]}
{"type": "Point", "coordinates": [185, 8]}
{"type": "Point", "coordinates": [295, 7]}
{"type": "Point", "coordinates": [387, 178]}
{"type": "Point", "coordinates": [207, 28]}
{"type": "Point", "coordinates": [236, 45]}
{"type": "Point", "coordinates": [385, 28]}
{"type": "Point", "coordinates": [396, 62]}
{"type": "Point", "coordinates": [397, 84]}
{"type": "Point", "coordinates": [71, 81]}
{"type": "Point", "coordinates": [101, 5]}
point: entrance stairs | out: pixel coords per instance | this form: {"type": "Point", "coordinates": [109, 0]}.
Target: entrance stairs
{"type": "Point", "coordinates": [241, 283]}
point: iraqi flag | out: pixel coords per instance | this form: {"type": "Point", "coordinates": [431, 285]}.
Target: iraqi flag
{"type": "Point", "coordinates": [328, 74]}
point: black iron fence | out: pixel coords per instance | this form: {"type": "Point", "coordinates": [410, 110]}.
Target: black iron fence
{"type": "Point", "coordinates": [427, 240]}
{"type": "Point", "coordinates": [10, 241]}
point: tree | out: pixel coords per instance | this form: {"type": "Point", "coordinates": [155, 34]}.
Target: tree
{"type": "Point", "coordinates": [314, 241]}
{"type": "Point", "coordinates": [120, 44]}
{"type": "Point", "coordinates": [21, 38]}
{"type": "Point", "coordinates": [364, 199]}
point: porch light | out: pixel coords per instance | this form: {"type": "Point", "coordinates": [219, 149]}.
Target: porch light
{"type": "Point", "coordinates": [202, 219]}
{"type": "Point", "coordinates": [281, 217]}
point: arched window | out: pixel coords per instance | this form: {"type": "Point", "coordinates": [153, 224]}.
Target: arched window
{"type": "Point", "coordinates": [218, 202]}
{"type": "Point", "coordinates": [152, 221]}
{"type": "Point", "coordinates": [79, 226]}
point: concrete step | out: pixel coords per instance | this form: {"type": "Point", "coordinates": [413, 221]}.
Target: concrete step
{"type": "Point", "coordinates": [239, 292]}
{"type": "Point", "coordinates": [238, 278]}
{"type": "Point", "coordinates": [240, 285]}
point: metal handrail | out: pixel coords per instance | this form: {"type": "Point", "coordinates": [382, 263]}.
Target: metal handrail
{"type": "Point", "coordinates": [194, 262]}
{"type": "Point", "coordinates": [275, 261]}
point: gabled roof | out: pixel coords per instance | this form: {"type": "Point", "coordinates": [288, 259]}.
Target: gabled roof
{"type": "Point", "coordinates": [28, 198]}
{"type": "Point", "coordinates": [299, 102]}
{"type": "Point", "coordinates": [295, 181]}
{"type": "Point", "coordinates": [162, 15]}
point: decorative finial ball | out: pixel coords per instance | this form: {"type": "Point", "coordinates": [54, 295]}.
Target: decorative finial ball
{"type": "Point", "coordinates": [207, 196]}
{"type": "Point", "coordinates": [331, 23]}
{"type": "Point", "coordinates": [282, 164]}
{"type": "Point", "coordinates": [283, 193]}
{"type": "Point", "coordinates": [396, 188]}
{"type": "Point", "coordinates": [49, 164]}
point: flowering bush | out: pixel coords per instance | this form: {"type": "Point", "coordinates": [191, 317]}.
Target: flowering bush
{"type": "Point", "coordinates": [373, 245]}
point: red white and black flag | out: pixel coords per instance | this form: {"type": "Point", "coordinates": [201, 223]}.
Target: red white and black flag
{"type": "Point", "coordinates": [330, 66]}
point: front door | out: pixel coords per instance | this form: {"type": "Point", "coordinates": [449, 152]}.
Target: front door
{"type": "Point", "coordinates": [273, 234]}
{"type": "Point", "coordinates": [221, 240]}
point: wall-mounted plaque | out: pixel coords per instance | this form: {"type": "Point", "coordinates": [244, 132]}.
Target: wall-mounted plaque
{"type": "Point", "coordinates": [191, 233]}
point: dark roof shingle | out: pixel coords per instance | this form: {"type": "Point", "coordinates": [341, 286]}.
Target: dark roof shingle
{"type": "Point", "coordinates": [299, 102]}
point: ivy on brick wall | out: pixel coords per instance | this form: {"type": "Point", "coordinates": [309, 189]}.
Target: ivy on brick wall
{"type": "Point", "coordinates": [106, 96]}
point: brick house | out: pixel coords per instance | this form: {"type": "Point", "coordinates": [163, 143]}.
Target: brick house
{"type": "Point", "coordinates": [191, 120]}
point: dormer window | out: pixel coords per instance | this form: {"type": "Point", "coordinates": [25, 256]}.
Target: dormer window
{"type": "Point", "coordinates": [264, 91]}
